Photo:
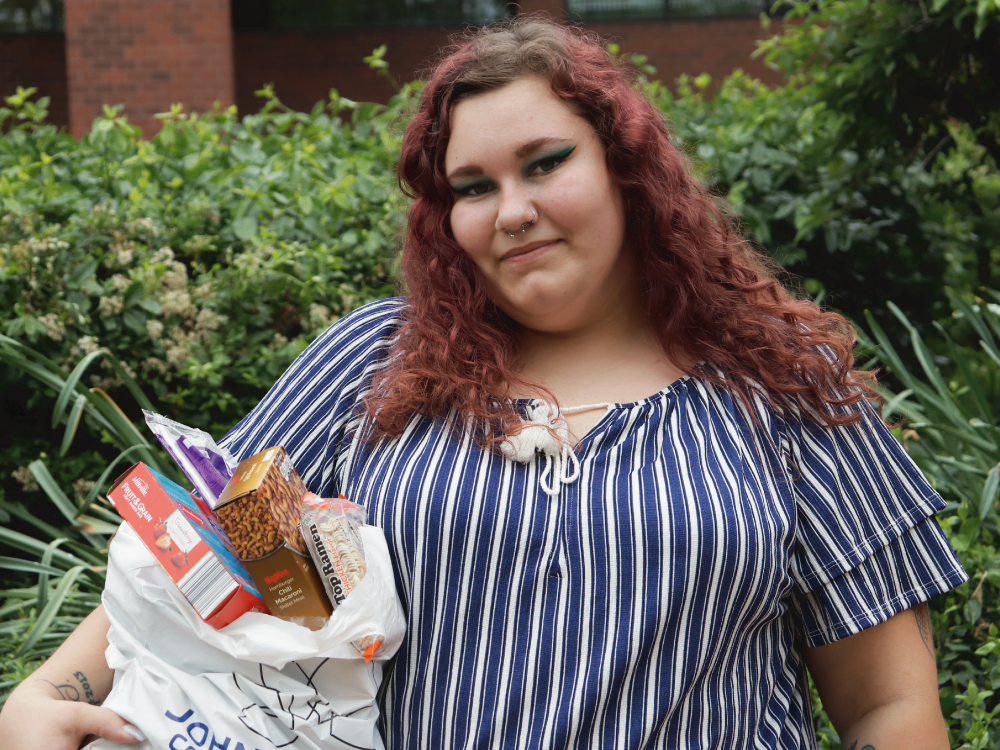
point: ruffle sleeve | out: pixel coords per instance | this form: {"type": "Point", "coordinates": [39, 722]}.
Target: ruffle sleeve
{"type": "Point", "coordinates": [867, 545]}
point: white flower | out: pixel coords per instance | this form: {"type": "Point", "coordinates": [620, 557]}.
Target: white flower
{"type": "Point", "coordinates": [178, 353]}
{"type": "Point", "coordinates": [175, 277]}
{"type": "Point", "coordinates": [23, 475]}
{"type": "Point", "coordinates": [277, 342]}
{"type": "Point", "coordinates": [145, 226]}
{"type": "Point", "coordinates": [155, 329]}
{"type": "Point", "coordinates": [204, 291]}
{"type": "Point", "coordinates": [176, 302]}
{"type": "Point", "coordinates": [319, 315]}
{"type": "Point", "coordinates": [162, 255]}
{"type": "Point", "coordinates": [105, 383]}
{"type": "Point", "coordinates": [81, 487]}
{"type": "Point", "coordinates": [110, 305]}
{"type": "Point", "coordinates": [209, 320]}
{"type": "Point", "coordinates": [54, 328]}
{"type": "Point", "coordinates": [120, 283]}
{"type": "Point", "coordinates": [155, 365]}
{"type": "Point", "coordinates": [88, 344]}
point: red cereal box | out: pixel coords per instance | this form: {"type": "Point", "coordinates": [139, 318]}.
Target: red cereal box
{"type": "Point", "coordinates": [186, 539]}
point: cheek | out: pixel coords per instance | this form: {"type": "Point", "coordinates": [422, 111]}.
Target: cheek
{"type": "Point", "coordinates": [473, 227]}
{"type": "Point", "coordinates": [590, 208]}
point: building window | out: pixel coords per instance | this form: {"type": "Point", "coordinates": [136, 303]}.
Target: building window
{"type": "Point", "coordinates": [30, 16]}
{"type": "Point", "coordinates": [288, 15]}
{"type": "Point", "coordinates": [601, 10]}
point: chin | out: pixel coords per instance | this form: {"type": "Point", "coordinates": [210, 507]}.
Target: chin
{"type": "Point", "coordinates": [546, 319]}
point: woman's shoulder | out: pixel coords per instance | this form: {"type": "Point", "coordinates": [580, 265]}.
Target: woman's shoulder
{"type": "Point", "coordinates": [355, 340]}
{"type": "Point", "coordinates": [319, 391]}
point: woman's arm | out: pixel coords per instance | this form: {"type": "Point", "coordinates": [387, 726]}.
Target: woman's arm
{"type": "Point", "coordinates": [59, 704]}
{"type": "Point", "coordinates": [879, 687]}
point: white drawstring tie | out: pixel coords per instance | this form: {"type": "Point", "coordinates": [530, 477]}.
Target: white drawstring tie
{"type": "Point", "coordinates": [545, 430]}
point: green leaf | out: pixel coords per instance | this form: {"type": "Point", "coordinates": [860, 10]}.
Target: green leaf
{"type": "Point", "coordinates": [245, 227]}
{"type": "Point", "coordinates": [43, 575]}
{"type": "Point", "coordinates": [48, 484]}
{"type": "Point", "coordinates": [88, 501]}
{"type": "Point", "coordinates": [47, 615]}
{"type": "Point", "coordinates": [990, 489]}
{"type": "Point", "coordinates": [73, 423]}
{"type": "Point", "coordinates": [27, 566]}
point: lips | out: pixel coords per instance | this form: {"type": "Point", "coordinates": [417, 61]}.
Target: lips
{"type": "Point", "coordinates": [524, 253]}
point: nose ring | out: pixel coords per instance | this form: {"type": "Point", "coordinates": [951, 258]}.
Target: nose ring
{"type": "Point", "coordinates": [511, 233]}
{"type": "Point", "coordinates": [534, 217]}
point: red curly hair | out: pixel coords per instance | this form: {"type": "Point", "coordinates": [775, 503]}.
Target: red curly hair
{"type": "Point", "coordinates": [710, 296]}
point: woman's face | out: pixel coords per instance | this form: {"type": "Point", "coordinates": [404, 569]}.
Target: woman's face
{"type": "Point", "coordinates": [519, 154]}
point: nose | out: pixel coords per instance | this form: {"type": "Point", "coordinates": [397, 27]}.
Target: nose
{"type": "Point", "coordinates": [514, 211]}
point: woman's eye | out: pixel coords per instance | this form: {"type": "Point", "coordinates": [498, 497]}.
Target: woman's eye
{"type": "Point", "coordinates": [476, 188]}
{"type": "Point", "coordinates": [549, 163]}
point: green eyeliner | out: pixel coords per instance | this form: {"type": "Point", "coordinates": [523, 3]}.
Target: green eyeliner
{"type": "Point", "coordinates": [562, 154]}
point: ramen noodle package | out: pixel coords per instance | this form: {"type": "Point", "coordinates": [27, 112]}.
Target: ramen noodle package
{"type": "Point", "coordinates": [331, 529]}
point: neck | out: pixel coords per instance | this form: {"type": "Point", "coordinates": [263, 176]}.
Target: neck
{"type": "Point", "coordinates": [613, 358]}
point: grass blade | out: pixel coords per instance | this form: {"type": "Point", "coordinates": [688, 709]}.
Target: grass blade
{"type": "Point", "coordinates": [19, 511]}
{"type": "Point", "coordinates": [43, 577]}
{"type": "Point", "coordinates": [27, 566]}
{"type": "Point", "coordinates": [72, 386]}
{"type": "Point", "coordinates": [51, 609]}
{"type": "Point", "coordinates": [989, 492]}
{"type": "Point", "coordinates": [29, 544]}
{"type": "Point", "coordinates": [73, 423]}
{"type": "Point", "coordinates": [51, 488]}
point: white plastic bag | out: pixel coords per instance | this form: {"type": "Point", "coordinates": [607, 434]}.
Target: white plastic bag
{"type": "Point", "coordinates": [256, 684]}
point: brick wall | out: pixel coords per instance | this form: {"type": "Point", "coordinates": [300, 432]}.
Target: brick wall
{"type": "Point", "coordinates": [39, 61]}
{"type": "Point", "coordinates": [716, 46]}
{"type": "Point", "coordinates": [305, 66]}
{"type": "Point", "coordinates": [146, 54]}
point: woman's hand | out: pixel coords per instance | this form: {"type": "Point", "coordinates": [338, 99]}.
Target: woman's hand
{"type": "Point", "coordinates": [58, 706]}
{"type": "Point", "coordinates": [879, 687]}
{"type": "Point", "coordinates": [36, 715]}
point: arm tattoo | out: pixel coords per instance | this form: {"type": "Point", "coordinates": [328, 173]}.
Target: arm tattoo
{"type": "Point", "coordinates": [71, 692]}
{"type": "Point", "coordinates": [922, 614]}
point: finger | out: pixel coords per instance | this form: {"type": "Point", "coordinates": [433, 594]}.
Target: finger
{"type": "Point", "coordinates": [106, 724]}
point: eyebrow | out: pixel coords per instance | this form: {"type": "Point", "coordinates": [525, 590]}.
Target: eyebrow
{"type": "Point", "coordinates": [523, 150]}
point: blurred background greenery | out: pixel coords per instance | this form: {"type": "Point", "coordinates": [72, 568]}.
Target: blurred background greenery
{"type": "Point", "coordinates": [184, 274]}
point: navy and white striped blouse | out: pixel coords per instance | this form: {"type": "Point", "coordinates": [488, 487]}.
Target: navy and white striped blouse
{"type": "Point", "coordinates": [661, 600]}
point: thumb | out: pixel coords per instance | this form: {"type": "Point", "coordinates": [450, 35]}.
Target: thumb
{"type": "Point", "coordinates": [93, 720]}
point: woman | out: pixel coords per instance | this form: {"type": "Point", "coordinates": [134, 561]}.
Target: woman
{"type": "Point", "coordinates": [715, 507]}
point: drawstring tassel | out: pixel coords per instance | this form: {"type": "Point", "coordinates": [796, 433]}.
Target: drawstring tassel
{"type": "Point", "coordinates": [545, 431]}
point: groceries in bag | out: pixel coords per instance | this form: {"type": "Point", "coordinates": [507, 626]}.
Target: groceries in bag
{"type": "Point", "coordinates": [260, 510]}
{"type": "Point", "coordinates": [186, 540]}
{"type": "Point", "coordinates": [260, 682]}
{"type": "Point", "coordinates": [207, 466]}
{"type": "Point", "coordinates": [307, 674]}
{"type": "Point", "coordinates": [332, 532]}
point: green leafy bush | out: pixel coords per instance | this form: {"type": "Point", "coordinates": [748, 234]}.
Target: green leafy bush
{"type": "Point", "coordinates": [50, 591]}
{"type": "Point", "coordinates": [873, 172]}
{"type": "Point", "coordinates": [205, 259]}
{"type": "Point", "coordinates": [952, 430]}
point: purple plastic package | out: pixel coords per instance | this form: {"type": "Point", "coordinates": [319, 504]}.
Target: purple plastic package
{"type": "Point", "coordinates": [207, 466]}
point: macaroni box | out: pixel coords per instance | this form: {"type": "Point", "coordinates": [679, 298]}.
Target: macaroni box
{"type": "Point", "coordinates": [260, 510]}
{"type": "Point", "coordinates": [185, 538]}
